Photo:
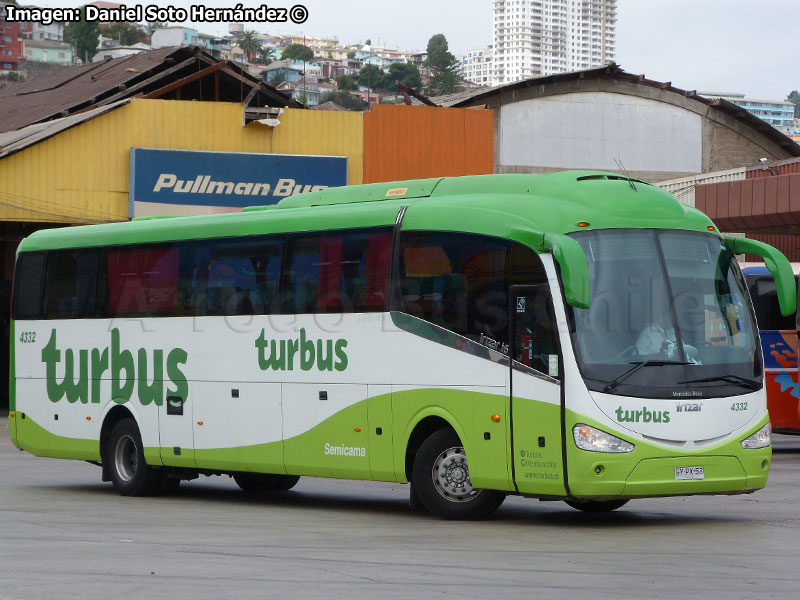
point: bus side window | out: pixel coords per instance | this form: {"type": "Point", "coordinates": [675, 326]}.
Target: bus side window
{"type": "Point", "coordinates": [765, 302]}
{"type": "Point", "coordinates": [338, 272]}
{"type": "Point", "coordinates": [142, 281]}
{"type": "Point", "coordinates": [457, 281]}
{"type": "Point", "coordinates": [242, 277]}
{"type": "Point", "coordinates": [29, 286]}
{"type": "Point", "coordinates": [70, 284]}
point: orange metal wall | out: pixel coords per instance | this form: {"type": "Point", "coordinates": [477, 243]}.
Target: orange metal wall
{"type": "Point", "coordinates": [415, 142]}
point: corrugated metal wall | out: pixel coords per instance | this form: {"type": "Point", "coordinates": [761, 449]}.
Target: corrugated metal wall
{"type": "Point", "coordinates": [684, 188]}
{"type": "Point", "coordinates": [787, 243]}
{"type": "Point", "coordinates": [81, 174]}
{"type": "Point", "coordinates": [415, 142]}
{"type": "Point", "coordinates": [785, 167]}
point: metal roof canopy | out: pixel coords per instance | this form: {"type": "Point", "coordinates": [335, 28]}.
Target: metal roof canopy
{"type": "Point", "coordinates": [763, 204]}
{"type": "Point", "coordinates": [182, 73]}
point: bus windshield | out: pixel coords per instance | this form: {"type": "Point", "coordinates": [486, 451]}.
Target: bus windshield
{"type": "Point", "coordinates": [669, 317]}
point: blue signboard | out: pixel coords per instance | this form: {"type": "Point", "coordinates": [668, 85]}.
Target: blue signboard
{"type": "Point", "coordinates": [190, 182]}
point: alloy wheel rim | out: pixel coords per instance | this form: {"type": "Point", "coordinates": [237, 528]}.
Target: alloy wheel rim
{"type": "Point", "coordinates": [450, 475]}
{"type": "Point", "coordinates": [126, 458]}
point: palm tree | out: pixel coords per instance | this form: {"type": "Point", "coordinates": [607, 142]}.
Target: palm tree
{"type": "Point", "coordinates": [249, 43]}
{"type": "Point", "coordinates": [265, 55]}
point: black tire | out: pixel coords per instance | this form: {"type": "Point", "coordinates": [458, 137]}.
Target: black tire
{"type": "Point", "coordinates": [441, 480]}
{"type": "Point", "coordinates": [260, 482]}
{"type": "Point", "coordinates": [596, 506]}
{"type": "Point", "coordinates": [129, 472]}
{"type": "Point", "coordinates": [414, 502]}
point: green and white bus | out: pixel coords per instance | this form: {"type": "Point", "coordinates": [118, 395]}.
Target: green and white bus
{"type": "Point", "coordinates": [474, 336]}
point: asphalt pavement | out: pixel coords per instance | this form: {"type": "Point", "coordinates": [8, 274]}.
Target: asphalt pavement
{"type": "Point", "coordinates": [65, 534]}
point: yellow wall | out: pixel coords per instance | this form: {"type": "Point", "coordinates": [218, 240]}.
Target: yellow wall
{"type": "Point", "coordinates": [81, 174]}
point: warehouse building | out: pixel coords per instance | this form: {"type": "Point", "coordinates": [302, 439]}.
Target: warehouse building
{"type": "Point", "coordinates": [610, 120]}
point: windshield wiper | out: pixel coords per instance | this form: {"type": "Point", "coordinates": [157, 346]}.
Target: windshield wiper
{"type": "Point", "coordinates": [612, 385]}
{"type": "Point", "coordinates": [735, 379]}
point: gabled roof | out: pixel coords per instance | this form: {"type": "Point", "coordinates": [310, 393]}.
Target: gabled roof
{"type": "Point", "coordinates": [614, 72]}
{"type": "Point", "coordinates": [161, 73]}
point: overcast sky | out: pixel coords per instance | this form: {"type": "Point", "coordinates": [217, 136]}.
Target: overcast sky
{"type": "Point", "coordinates": [710, 45]}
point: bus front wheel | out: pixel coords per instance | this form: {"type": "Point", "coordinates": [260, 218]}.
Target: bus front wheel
{"type": "Point", "coordinates": [442, 483]}
{"type": "Point", "coordinates": [130, 474]}
{"type": "Point", "coordinates": [596, 506]}
{"type": "Point", "coordinates": [261, 482]}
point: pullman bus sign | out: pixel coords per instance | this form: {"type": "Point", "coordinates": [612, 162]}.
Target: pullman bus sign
{"type": "Point", "coordinates": [187, 182]}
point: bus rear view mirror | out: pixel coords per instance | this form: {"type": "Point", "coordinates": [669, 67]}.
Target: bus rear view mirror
{"type": "Point", "coordinates": [778, 265]}
{"type": "Point", "coordinates": [574, 268]}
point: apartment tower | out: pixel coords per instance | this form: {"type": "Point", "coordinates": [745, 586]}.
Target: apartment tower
{"type": "Point", "coordinates": [533, 38]}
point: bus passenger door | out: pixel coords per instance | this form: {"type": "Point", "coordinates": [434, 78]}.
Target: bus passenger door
{"type": "Point", "coordinates": [536, 372]}
{"type": "Point", "coordinates": [175, 429]}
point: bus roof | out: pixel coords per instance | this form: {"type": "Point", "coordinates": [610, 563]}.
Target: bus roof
{"type": "Point", "coordinates": [506, 205]}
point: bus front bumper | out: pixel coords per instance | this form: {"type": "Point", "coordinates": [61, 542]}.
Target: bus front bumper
{"type": "Point", "coordinates": [672, 475]}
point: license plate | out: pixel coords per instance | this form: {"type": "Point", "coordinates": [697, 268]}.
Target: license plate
{"type": "Point", "coordinates": [689, 473]}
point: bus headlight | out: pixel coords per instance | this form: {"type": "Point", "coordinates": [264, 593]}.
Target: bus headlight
{"type": "Point", "coordinates": [594, 440]}
{"type": "Point", "coordinates": [760, 439]}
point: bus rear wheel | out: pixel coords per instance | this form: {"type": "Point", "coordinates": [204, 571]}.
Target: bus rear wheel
{"type": "Point", "coordinates": [596, 506]}
{"type": "Point", "coordinates": [442, 483]}
{"type": "Point", "coordinates": [261, 482]}
{"type": "Point", "coordinates": [130, 473]}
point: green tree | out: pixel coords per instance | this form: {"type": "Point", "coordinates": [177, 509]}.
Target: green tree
{"type": "Point", "coordinates": [302, 98]}
{"type": "Point", "coordinates": [351, 55]}
{"type": "Point", "coordinates": [345, 82]}
{"type": "Point", "coordinates": [125, 33]}
{"type": "Point", "coordinates": [372, 77]}
{"type": "Point", "coordinates": [153, 25]}
{"type": "Point", "coordinates": [345, 100]}
{"type": "Point", "coordinates": [265, 55]}
{"type": "Point", "coordinates": [297, 52]}
{"type": "Point", "coordinates": [405, 73]}
{"type": "Point", "coordinates": [446, 68]}
{"type": "Point", "coordinates": [278, 79]}
{"type": "Point", "coordinates": [369, 42]}
{"type": "Point", "coordinates": [794, 98]}
{"type": "Point", "coordinates": [84, 37]}
{"type": "Point", "coordinates": [249, 43]}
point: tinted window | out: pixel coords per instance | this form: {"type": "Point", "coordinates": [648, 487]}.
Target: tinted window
{"type": "Point", "coordinates": [765, 302]}
{"type": "Point", "coordinates": [456, 281]}
{"type": "Point", "coordinates": [70, 285]}
{"type": "Point", "coordinates": [535, 333]}
{"type": "Point", "coordinates": [28, 286]}
{"type": "Point", "coordinates": [236, 277]}
{"type": "Point", "coordinates": [338, 272]}
{"type": "Point", "coordinates": [143, 281]}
